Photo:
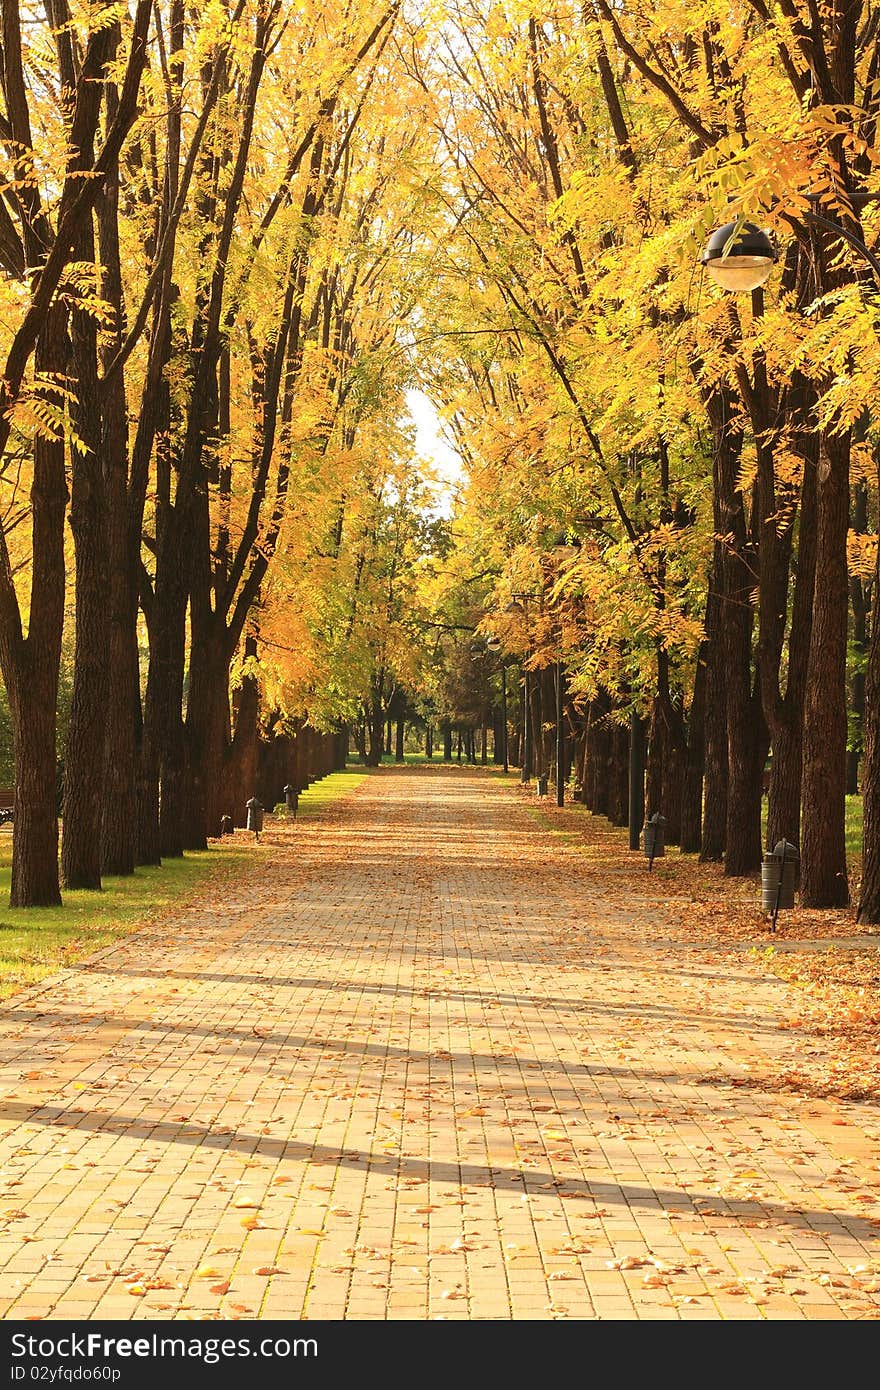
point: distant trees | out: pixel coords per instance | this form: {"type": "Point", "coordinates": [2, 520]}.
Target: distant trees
{"type": "Point", "coordinates": [233, 237]}
{"type": "Point", "coordinates": [182, 242]}
{"type": "Point", "coordinates": [694, 449]}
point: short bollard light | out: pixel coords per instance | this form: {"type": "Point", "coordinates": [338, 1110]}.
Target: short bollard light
{"type": "Point", "coordinates": [291, 799]}
{"type": "Point", "coordinates": [543, 783]}
{"type": "Point", "coordinates": [654, 834]}
{"type": "Point", "coordinates": [255, 816]}
{"type": "Point", "coordinates": [779, 878]}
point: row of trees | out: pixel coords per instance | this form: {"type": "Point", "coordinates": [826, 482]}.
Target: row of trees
{"type": "Point", "coordinates": [685, 481]}
{"type": "Point", "coordinates": [232, 238]}
{"type": "Point", "coordinates": [201, 361]}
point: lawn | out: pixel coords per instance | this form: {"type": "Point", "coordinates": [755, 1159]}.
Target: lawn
{"type": "Point", "coordinates": [329, 789]}
{"type": "Point", "coordinates": [37, 940]}
{"type": "Point", "coordinates": [436, 760]}
{"type": "Point", "coordinates": [34, 941]}
{"type": "Point", "coordinates": [853, 827]}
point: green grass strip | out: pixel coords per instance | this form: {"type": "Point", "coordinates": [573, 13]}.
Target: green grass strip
{"type": "Point", "coordinates": [35, 941]}
{"type": "Point", "coordinates": [331, 788]}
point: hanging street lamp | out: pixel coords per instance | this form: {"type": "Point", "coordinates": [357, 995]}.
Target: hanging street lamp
{"type": "Point", "coordinates": [739, 256]}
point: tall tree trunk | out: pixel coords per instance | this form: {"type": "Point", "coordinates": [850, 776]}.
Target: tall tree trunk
{"type": "Point", "coordinates": [824, 880]}
{"type": "Point", "coordinates": [869, 900]}
{"type": "Point", "coordinates": [859, 605]}
{"type": "Point", "coordinates": [784, 713]}
{"type": "Point", "coordinates": [207, 739]}
{"type": "Point", "coordinates": [119, 829]}
{"type": "Point", "coordinates": [536, 726]}
{"type": "Point", "coordinates": [618, 780]}
{"type": "Point", "coordinates": [600, 796]}
{"type": "Point", "coordinates": [715, 789]}
{"type": "Point", "coordinates": [583, 773]}
{"type": "Point", "coordinates": [377, 732]}
{"type": "Point", "coordinates": [673, 784]}
{"type": "Point", "coordinates": [695, 758]}
{"type": "Point", "coordinates": [399, 756]}
{"type": "Point", "coordinates": [161, 782]}
{"type": "Point", "coordinates": [241, 761]}
{"type": "Point", "coordinates": [31, 664]}
{"type": "Point", "coordinates": [656, 755]}
{"type": "Point", "coordinates": [715, 786]}
{"type": "Point", "coordinates": [84, 757]}
{"type": "Point", "coordinates": [746, 736]}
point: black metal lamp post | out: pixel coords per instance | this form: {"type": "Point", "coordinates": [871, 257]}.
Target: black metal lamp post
{"type": "Point", "coordinates": [520, 605]}
{"type": "Point", "coordinates": [636, 779]}
{"type": "Point", "coordinates": [739, 256]}
{"type": "Point", "coordinates": [560, 737]}
{"type": "Point", "coordinates": [494, 645]}
{"type": "Point", "coordinates": [525, 770]}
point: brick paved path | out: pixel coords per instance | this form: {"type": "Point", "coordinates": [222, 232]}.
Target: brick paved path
{"type": "Point", "coordinates": [429, 1062]}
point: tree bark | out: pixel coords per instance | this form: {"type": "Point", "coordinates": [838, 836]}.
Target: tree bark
{"type": "Point", "coordinates": [824, 880]}
{"type": "Point", "coordinates": [30, 665]}
{"type": "Point", "coordinates": [869, 900]}
{"type": "Point", "coordinates": [859, 604]}
{"type": "Point", "coordinates": [84, 756]}
{"type": "Point", "coordinates": [377, 732]}
{"type": "Point", "coordinates": [656, 755]}
{"type": "Point", "coordinates": [123, 710]}
{"type": "Point", "coordinates": [241, 760]}
{"type": "Point", "coordinates": [207, 799]}
{"type": "Point", "coordinates": [714, 831]}
{"type": "Point", "coordinates": [695, 759]}
{"type": "Point", "coordinates": [618, 799]}
{"type": "Point", "coordinates": [746, 735]}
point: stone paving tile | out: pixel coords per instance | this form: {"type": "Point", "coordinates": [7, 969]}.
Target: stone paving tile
{"type": "Point", "coordinates": [426, 1063]}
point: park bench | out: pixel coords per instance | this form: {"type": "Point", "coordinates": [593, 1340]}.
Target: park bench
{"type": "Point", "coordinates": [7, 804]}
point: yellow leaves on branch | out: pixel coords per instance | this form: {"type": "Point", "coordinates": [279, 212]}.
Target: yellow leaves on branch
{"type": "Point", "coordinates": [861, 554]}
{"type": "Point", "coordinates": [41, 411]}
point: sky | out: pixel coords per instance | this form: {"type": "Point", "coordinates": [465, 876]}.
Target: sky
{"type": "Point", "coordinates": [433, 447]}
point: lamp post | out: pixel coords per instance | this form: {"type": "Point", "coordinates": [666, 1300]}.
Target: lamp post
{"type": "Point", "coordinates": [494, 645]}
{"type": "Point", "coordinates": [520, 605]}
{"type": "Point", "coordinates": [530, 750]}
{"type": "Point", "coordinates": [636, 779]}
{"type": "Point", "coordinates": [739, 256]}
{"type": "Point", "coordinates": [560, 738]}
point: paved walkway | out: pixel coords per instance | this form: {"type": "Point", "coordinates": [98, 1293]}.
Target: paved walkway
{"type": "Point", "coordinates": [430, 1063]}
